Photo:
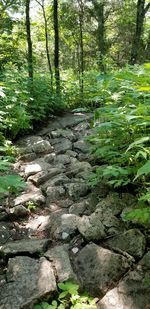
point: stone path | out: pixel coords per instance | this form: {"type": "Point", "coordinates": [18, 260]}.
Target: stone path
{"type": "Point", "coordinates": [72, 233]}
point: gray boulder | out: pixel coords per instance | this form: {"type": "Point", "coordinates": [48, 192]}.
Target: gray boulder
{"type": "Point", "coordinates": [35, 196]}
{"type": "Point", "coordinates": [71, 153]}
{"type": "Point", "coordinates": [39, 165]}
{"type": "Point", "coordinates": [49, 158]}
{"type": "Point", "coordinates": [99, 269]}
{"type": "Point", "coordinates": [27, 281]}
{"type": "Point", "coordinates": [132, 241]}
{"type": "Point", "coordinates": [82, 127]}
{"type": "Point", "coordinates": [18, 212]}
{"type": "Point", "coordinates": [60, 259]}
{"type": "Point", "coordinates": [112, 224]}
{"type": "Point", "coordinates": [78, 167]}
{"type": "Point", "coordinates": [62, 145]}
{"type": "Point", "coordinates": [30, 246]}
{"type": "Point", "coordinates": [115, 203]}
{"type": "Point", "coordinates": [82, 146]}
{"type": "Point", "coordinates": [26, 144]}
{"type": "Point", "coordinates": [35, 144]}
{"type": "Point", "coordinates": [42, 146]}
{"type": "Point", "coordinates": [77, 190]}
{"type": "Point", "coordinates": [72, 119]}
{"type": "Point", "coordinates": [62, 225]}
{"type": "Point", "coordinates": [57, 180]}
{"type": "Point", "coordinates": [44, 176]}
{"type": "Point", "coordinates": [63, 159]}
{"type": "Point", "coordinates": [91, 228]}
{"type": "Point", "coordinates": [133, 292]}
{"type": "Point", "coordinates": [79, 208]}
{"type": "Point", "coordinates": [54, 193]}
{"type": "Point", "coordinates": [63, 133]}
{"type": "Point", "coordinates": [28, 157]}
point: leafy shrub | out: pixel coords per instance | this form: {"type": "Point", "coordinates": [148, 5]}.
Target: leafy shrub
{"type": "Point", "coordinates": [9, 183]}
{"type": "Point", "coordinates": [14, 99]}
{"type": "Point", "coordinates": [23, 104]}
{"type": "Point", "coordinates": [69, 297]}
{"type": "Point", "coordinates": [121, 138]}
{"type": "Point", "coordinates": [43, 103]}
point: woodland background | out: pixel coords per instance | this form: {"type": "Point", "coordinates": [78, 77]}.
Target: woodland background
{"type": "Point", "coordinates": [88, 55]}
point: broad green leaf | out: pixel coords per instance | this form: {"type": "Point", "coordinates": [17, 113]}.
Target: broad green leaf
{"type": "Point", "coordinates": [139, 142]}
{"type": "Point", "coordinates": [63, 294]}
{"type": "Point", "coordinates": [61, 306]}
{"type": "Point", "coordinates": [144, 170]}
{"type": "Point", "coordinates": [54, 303]}
{"type": "Point", "coordinates": [62, 286]}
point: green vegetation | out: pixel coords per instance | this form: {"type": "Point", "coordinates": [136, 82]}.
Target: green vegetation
{"type": "Point", "coordinates": [68, 297]}
{"type": "Point", "coordinates": [83, 55]}
{"type": "Point", "coordinates": [121, 135]}
{"type": "Point", "coordinates": [9, 183]}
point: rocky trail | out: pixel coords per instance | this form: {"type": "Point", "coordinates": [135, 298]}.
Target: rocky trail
{"type": "Point", "coordinates": [73, 233]}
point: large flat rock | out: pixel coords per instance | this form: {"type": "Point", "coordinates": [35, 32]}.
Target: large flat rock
{"type": "Point", "coordinates": [35, 196]}
{"type": "Point", "coordinates": [133, 292]}
{"type": "Point", "coordinates": [131, 241]}
{"type": "Point", "coordinates": [60, 258]}
{"type": "Point", "coordinates": [34, 144]}
{"type": "Point", "coordinates": [29, 246]}
{"type": "Point", "coordinates": [99, 269]}
{"type": "Point", "coordinates": [27, 281]}
{"type": "Point", "coordinates": [72, 119]}
{"type": "Point", "coordinates": [62, 145]}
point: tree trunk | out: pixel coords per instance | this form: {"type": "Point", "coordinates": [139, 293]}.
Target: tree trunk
{"type": "Point", "coordinates": [46, 44]}
{"type": "Point", "coordinates": [99, 12]}
{"type": "Point", "coordinates": [136, 46]}
{"type": "Point", "coordinates": [29, 41]}
{"type": "Point", "coordinates": [56, 48]}
{"type": "Point", "coordinates": [81, 69]}
{"type": "Point", "coordinates": [101, 36]}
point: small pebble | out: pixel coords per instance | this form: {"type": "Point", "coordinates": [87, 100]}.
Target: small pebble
{"type": "Point", "coordinates": [75, 250]}
{"type": "Point", "coordinates": [65, 235]}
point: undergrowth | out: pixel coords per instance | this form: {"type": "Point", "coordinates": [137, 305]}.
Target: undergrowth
{"type": "Point", "coordinates": [120, 142]}
{"type": "Point", "coordinates": [68, 297]}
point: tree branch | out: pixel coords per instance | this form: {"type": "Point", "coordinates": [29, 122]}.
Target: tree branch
{"type": "Point", "coordinates": [39, 3]}
{"type": "Point", "coordinates": [146, 8]}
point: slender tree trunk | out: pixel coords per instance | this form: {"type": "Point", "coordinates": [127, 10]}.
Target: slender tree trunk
{"type": "Point", "coordinates": [29, 41]}
{"type": "Point", "coordinates": [136, 46]}
{"type": "Point", "coordinates": [56, 48]}
{"type": "Point", "coordinates": [46, 44]}
{"type": "Point", "coordinates": [101, 42]}
{"type": "Point", "coordinates": [101, 36]}
{"type": "Point", "coordinates": [81, 69]}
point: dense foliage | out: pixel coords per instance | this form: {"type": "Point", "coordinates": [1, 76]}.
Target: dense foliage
{"type": "Point", "coordinates": [58, 55]}
{"type": "Point", "coordinates": [121, 137]}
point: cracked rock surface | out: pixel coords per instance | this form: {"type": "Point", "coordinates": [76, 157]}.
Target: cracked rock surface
{"type": "Point", "coordinates": [60, 229]}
